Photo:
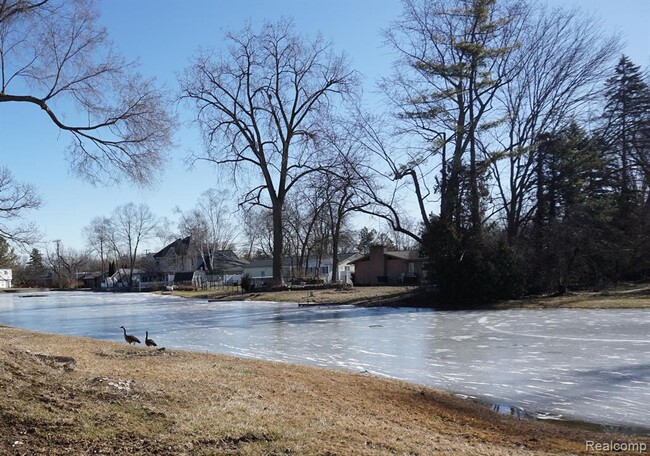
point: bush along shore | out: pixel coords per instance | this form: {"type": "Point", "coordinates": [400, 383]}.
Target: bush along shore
{"type": "Point", "coordinates": [67, 395]}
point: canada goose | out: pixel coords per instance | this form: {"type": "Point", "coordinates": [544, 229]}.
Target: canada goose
{"type": "Point", "coordinates": [129, 338]}
{"type": "Point", "coordinates": [149, 342]}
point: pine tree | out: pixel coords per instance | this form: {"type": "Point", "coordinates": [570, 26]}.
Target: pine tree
{"type": "Point", "coordinates": [626, 116]}
{"type": "Point", "coordinates": [626, 132]}
{"type": "Point", "coordinates": [572, 236]}
{"type": "Point", "coordinates": [457, 50]}
{"type": "Point", "coordinates": [35, 269]}
{"type": "Point", "coordinates": [7, 254]}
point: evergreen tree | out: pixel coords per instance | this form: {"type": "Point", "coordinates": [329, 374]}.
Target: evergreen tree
{"type": "Point", "coordinates": [366, 239]}
{"type": "Point", "coordinates": [571, 240]}
{"type": "Point", "coordinates": [626, 118]}
{"type": "Point", "coordinates": [35, 269]}
{"type": "Point", "coordinates": [626, 133]}
{"type": "Point", "coordinates": [7, 255]}
{"type": "Point", "coordinates": [468, 272]}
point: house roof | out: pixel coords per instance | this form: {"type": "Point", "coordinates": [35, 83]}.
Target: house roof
{"type": "Point", "coordinates": [225, 259]}
{"type": "Point", "coordinates": [348, 257]}
{"type": "Point", "coordinates": [268, 262]}
{"type": "Point", "coordinates": [179, 246]}
{"type": "Point", "coordinates": [90, 275]}
{"type": "Point", "coordinates": [408, 255]}
{"type": "Point", "coordinates": [124, 272]}
{"type": "Point", "coordinates": [405, 255]}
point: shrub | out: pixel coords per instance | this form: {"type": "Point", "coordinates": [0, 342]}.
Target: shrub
{"type": "Point", "coordinates": [246, 282]}
{"type": "Point", "coordinates": [470, 272]}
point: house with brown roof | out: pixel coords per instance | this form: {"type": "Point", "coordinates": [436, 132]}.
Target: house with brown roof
{"type": "Point", "coordinates": [380, 267]}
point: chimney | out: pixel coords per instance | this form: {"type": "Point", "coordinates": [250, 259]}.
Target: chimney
{"type": "Point", "coordinates": [377, 262]}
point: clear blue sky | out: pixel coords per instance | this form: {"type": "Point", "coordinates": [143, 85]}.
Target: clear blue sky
{"type": "Point", "coordinates": [162, 35]}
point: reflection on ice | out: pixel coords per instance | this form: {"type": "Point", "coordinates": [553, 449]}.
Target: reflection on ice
{"type": "Point", "coordinates": [579, 364]}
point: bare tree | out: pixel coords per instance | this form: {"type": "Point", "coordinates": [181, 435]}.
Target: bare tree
{"type": "Point", "coordinates": [130, 226]}
{"type": "Point", "coordinates": [261, 108]}
{"type": "Point", "coordinates": [15, 199]}
{"type": "Point", "coordinates": [97, 236]}
{"type": "Point", "coordinates": [302, 214]}
{"type": "Point", "coordinates": [343, 186]}
{"type": "Point", "coordinates": [559, 67]}
{"type": "Point", "coordinates": [210, 224]}
{"type": "Point", "coordinates": [54, 56]}
{"type": "Point", "coordinates": [396, 180]}
{"type": "Point", "coordinates": [258, 232]}
{"type": "Point", "coordinates": [453, 61]}
{"type": "Point", "coordinates": [66, 264]}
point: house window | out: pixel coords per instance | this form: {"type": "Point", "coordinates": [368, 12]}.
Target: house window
{"type": "Point", "coordinates": [263, 273]}
{"type": "Point", "coordinates": [411, 268]}
{"type": "Point", "coordinates": [324, 270]}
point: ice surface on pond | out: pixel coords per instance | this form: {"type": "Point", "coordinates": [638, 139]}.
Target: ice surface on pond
{"type": "Point", "coordinates": [565, 363]}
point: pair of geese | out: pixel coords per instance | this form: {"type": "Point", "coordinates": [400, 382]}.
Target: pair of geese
{"type": "Point", "coordinates": [133, 340]}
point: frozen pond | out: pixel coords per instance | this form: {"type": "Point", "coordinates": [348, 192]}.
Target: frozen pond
{"type": "Point", "coordinates": [591, 365]}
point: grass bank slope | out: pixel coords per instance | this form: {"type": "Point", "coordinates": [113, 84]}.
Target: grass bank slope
{"type": "Point", "coordinates": [65, 395]}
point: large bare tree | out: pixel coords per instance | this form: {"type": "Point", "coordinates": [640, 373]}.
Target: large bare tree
{"type": "Point", "coordinates": [55, 56]}
{"type": "Point", "coordinates": [452, 61]}
{"type": "Point", "coordinates": [261, 108]}
{"type": "Point", "coordinates": [559, 68]}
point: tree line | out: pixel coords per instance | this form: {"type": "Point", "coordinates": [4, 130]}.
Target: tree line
{"type": "Point", "coordinates": [126, 239]}
{"type": "Point", "coordinates": [513, 151]}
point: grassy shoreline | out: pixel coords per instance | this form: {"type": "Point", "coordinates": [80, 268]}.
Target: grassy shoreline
{"type": "Point", "coordinates": [623, 297]}
{"type": "Point", "coordinates": [630, 296]}
{"type": "Point", "coordinates": [118, 399]}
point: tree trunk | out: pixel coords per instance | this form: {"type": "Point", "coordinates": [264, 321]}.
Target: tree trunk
{"type": "Point", "coordinates": [277, 242]}
{"type": "Point", "coordinates": [335, 250]}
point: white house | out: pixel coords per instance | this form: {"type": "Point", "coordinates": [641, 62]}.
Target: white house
{"type": "Point", "coordinates": [322, 268]}
{"type": "Point", "coordinates": [5, 278]}
{"type": "Point", "coordinates": [261, 271]}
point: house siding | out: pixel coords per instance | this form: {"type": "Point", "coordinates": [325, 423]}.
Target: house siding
{"type": "Point", "coordinates": [6, 276]}
{"type": "Point", "coordinates": [381, 267]}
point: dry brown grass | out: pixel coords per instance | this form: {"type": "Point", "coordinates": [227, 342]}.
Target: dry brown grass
{"type": "Point", "coordinates": [623, 297]}
{"type": "Point", "coordinates": [345, 295]}
{"type": "Point", "coordinates": [124, 400]}
{"type": "Point", "coordinates": [626, 297]}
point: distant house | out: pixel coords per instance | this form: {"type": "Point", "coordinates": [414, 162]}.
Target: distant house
{"type": "Point", "coordinates": [261, 271]}
{"type": "Point", "coordinates": [177, 257]}
{"type": "Point", "coordinates": [120, 279]}
{"type": "Point", "coordinates": [183, 262]}
{"type": "Point", "coordinates": [91, 279]}
{"type": "Point", "coordinates": [6, 275]}
{"type": "Point", "coordinates": [223, 262]}
{"type": "Point", "coordinates": [403, 267]}
{"type": "Point", "coordinates": [141, 280]}
{"type": "Point", "coordinates": [321, 268]}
